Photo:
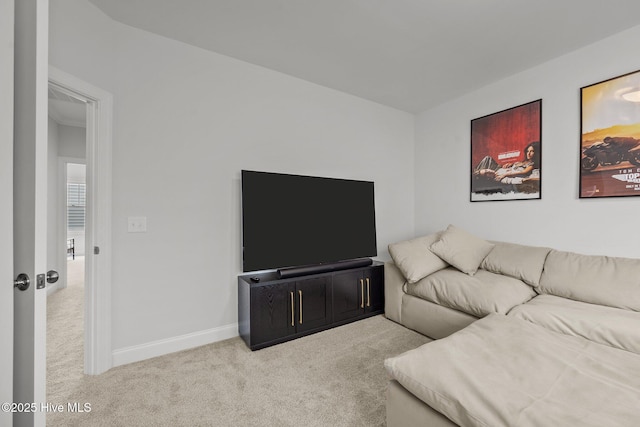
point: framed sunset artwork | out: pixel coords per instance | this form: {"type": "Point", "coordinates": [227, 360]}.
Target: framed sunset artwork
{"type": "Point", "coordinates": [610, 138]}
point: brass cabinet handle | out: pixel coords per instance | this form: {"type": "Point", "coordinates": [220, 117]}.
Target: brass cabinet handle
{"type": "Point", "coordinates": [361, 293]}
{"type": "Point", "coordinates": [300, 292]}
{"type": "Point", "coordinates": [368, 294]}
{"type": "Point", "coordinates": [292, 311]}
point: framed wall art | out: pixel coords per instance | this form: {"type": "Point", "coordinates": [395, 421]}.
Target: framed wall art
{"type": "Point", "coordinates": [610, 138]}
{"type": "Point", "coordinates": [506, 154]}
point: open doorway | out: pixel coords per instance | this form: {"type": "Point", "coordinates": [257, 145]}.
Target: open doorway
{"type": "Point", "coordinates": [98, 107]}
{"type": "Point", "coordinates": [66, 242]}
{"type": "Point", "coordinates": [74, 219]}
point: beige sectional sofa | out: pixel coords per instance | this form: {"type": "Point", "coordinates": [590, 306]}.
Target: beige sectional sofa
{"type": "Point", "coordinates": [542, 311]}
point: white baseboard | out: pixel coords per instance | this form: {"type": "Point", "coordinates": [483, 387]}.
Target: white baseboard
{"type": "Point", "coordinates": [137, 353]}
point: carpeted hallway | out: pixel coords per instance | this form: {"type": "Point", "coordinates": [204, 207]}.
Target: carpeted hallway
{"type": "Point", "coordinates": [65, 353]}
{"type": "Point", "coordinates": [333, 378]}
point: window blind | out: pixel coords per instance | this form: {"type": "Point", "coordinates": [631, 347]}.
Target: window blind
{"type": "Point", "coordinates": [76, 204]}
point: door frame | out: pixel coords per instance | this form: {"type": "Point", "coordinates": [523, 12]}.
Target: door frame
{"type": "Point", "coordinates": [98, 355]}
{"type": "Point", "coordinates": [62, 235]}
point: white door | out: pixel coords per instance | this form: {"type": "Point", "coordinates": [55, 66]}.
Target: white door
{"type": "Point", "coordinates": [29, 207]}
{"type": "Point", "coordinates": [6, 213]}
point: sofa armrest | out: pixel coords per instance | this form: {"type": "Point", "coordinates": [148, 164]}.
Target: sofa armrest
{"type": "Point", "coordinates": [393, 290]}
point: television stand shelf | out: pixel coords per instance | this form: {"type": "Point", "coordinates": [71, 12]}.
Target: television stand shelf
{"type": "Point", "coordinates": [272, 310]}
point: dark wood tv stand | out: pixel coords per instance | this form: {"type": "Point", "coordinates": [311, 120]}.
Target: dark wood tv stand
{"type": "Point", "coordinates": [272, 310]}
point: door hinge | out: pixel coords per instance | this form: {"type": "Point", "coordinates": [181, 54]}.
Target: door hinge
{"type": "Point", "coordinates": [96, 250]}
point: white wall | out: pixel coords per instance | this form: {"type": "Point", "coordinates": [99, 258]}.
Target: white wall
{"type": "Point", "coordinates": [186, 122]}
{"type": "Point", "coordinates": [559, 220]}
{"type": "Point", "coordinates": [73, 142]}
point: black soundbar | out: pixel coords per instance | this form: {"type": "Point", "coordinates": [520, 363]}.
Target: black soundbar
{"type": "Point", "coordinates": [285, 273]}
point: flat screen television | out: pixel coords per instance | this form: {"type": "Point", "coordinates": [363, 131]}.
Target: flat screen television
{"type": "Point", "coordinates": [296, 220]}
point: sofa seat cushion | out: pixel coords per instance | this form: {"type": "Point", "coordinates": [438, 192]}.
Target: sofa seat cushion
{"type": "Point", "coordinates": [503, 371]}
{"type": "Point", "coordinates": [603, 280]}
{"type": "Point", "coordinates": [519, 261]}
{"type": "Point", "coordinates": [605, 325]}
{"type": "Point", "coordinates": [477, 295]}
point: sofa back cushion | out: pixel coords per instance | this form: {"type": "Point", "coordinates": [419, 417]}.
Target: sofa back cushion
{"type": "Point", "coordinates": [518, 261]}
{"type": "Point", "coordinates": [614, 282]}
{"type": "Point", "coordinates": [414, 259]}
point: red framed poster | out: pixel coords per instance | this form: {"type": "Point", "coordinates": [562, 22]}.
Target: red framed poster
{"type": "Point", "coordinates": [506, 154]}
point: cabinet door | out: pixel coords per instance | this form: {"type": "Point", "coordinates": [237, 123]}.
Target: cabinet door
{"type": "Point", "coordinates": [271, 312]}
{"type": "Point", "coordinates": [374, 281]}
{"type": "Point", "coordinates": [348, 296]}
{"type": "Point", "coordinates": [313, 308]}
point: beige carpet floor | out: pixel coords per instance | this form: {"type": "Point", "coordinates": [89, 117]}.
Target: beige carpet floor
{"type": "Point", "coordinates": [65, 340]}
{"type": "Point", "coordinates": [332, 378]}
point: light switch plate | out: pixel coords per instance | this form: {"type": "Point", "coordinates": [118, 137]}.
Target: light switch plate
{"type": "Point", "coordinates": [137, 224]}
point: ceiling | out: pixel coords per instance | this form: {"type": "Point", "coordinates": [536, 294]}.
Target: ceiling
{"type": "Point", "coordinates": [66, 110]}
{"type": "Point", "coordinates": [407, 54]}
